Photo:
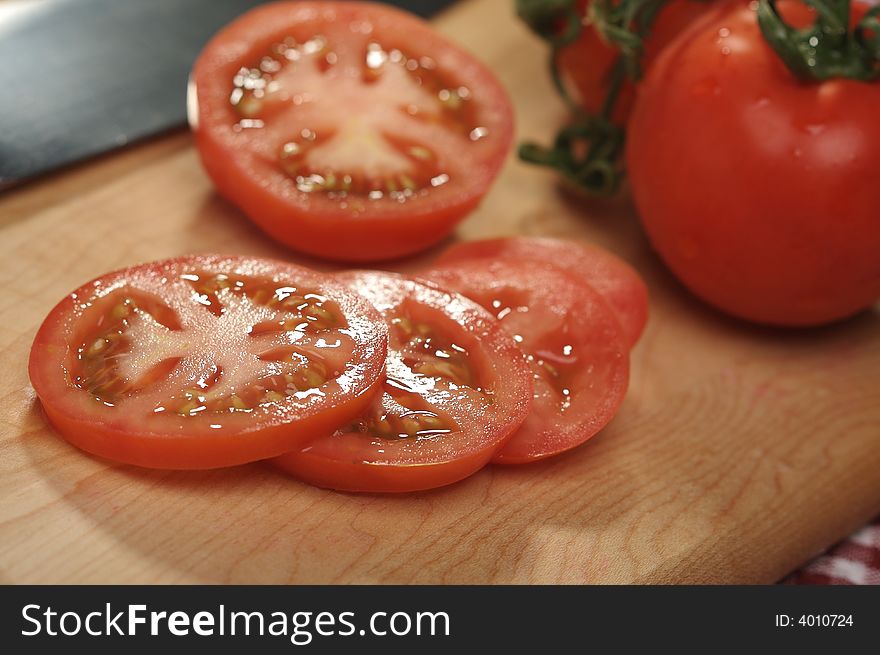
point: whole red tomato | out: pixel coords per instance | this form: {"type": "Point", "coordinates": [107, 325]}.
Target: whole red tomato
{"type": "Point", "coordinates": [586, 64]}
{"type": "Point", "coordinates": [759, 191]}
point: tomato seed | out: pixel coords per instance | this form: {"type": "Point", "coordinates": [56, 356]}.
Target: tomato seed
{"type": "Point", "coordinates": [97, 347]}
{"type": "Point", "coordinates": [409, 427]}
{"type": "Point", "coordinates": [420, 152]}
{"type": "Point", "coordinates": [237, 403]}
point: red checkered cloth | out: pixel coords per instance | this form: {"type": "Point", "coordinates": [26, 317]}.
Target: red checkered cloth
{"type": "Point", "coordinates": [854, 561]}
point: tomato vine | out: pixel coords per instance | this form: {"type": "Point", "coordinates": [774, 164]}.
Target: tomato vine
{"type": "Point", "coordinates": [828, 48]}
{"type": "Point", "coordinates": [587, 151]}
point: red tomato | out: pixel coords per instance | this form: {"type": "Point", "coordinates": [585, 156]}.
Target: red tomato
{"type": "Point", "coordinates": [456, 388]}
{"type": "Point", "coordinates": [572, 341]}
{"type": "Point", "coordinates": [205, 361]}
{"type": "Point", "coordinates": [613, 278]}
{"type": "Point", "coordinates": [758, 190]}
{"type": "Point", "coordinates": [587, 63]}
{"type": "Point", "coordinates": [349, 130]}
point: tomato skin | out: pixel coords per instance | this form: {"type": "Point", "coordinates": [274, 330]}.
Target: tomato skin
{"type": "Point", "coordinates": [172, 442]}
{"type": "Point", "coordinates": [571, 338]}
{"type": "Point", "coordinates": [358, 462]}
{"type": "Point", "coordinates": [330, 471]}
{"type": "Point", "coordinates": [587, 63]}
{"type": "Point", "coordinates": [311, 223]}
{"type": "Point", "coordinates": [759, 191]}
{"type": "Point", "coordinates": [613, 278]}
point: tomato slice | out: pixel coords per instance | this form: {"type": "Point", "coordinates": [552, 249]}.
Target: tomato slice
{"type": "Point", "coordinates": [206, 361]}
{"type": "Point", "coordinates": [572, 341]}
{"type": "Point", "coordinates": [456, 388]}
{"type": "Point", "coordinates": [612, 277]}
{"type": "Point", "coordinates": [349, 130]}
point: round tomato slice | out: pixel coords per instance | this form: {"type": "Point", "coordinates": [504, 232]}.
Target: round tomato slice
{"type": "Point", "coordinates": [572, 341]}
{"type": "Point", "coordinates": [348, 130]}
{"type": "Point", "coordinates": [206, 361]}
{"type": "Point", "coordinates": [456, 388]}
{"type": "Point", "coordinates": [612, 277]}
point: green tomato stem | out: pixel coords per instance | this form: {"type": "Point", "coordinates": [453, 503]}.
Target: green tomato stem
{"type": "Point", "coordinates": [827, 49]}
{"type": "Point", "coordinates": [588, 151]}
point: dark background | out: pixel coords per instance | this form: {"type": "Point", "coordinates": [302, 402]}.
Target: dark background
{"type": "Point", "coordinates": [498, 619]}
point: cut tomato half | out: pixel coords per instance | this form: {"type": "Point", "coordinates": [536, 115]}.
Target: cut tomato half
{"type": "Point", "coordinates": [572, 341]}
{"type": "Point", "coordinates": [612, 277]}
{"type": "Point", "coordinates": [348, 130]}
{"type": "Point", "coordinates": [456, 388]}
{"type": "Point", "coordinates": [204, 361]}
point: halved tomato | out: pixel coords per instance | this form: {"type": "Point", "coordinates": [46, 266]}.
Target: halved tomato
{"type": "Point", "coordinates": [456, 388]}
{"type": "Point", "coordinates": [571, 339]}
{"type": "Point", "coordinates": [349, 130]}
{"type": "Point", "coordinates": [612, 277]}
{"type": "Point", "coordinates": [206, 361]}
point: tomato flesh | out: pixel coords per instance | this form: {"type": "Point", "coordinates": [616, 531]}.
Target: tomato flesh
{"type": "Point", "coordinates": [203, 361]}
{"type": "Point", "coordinates": [572, 342]}
{"type": "Point", "coordinates": [347, 130]}
{"type": "Point", "coordinates": [618, 283]}
{"type": "Point", "coordinates": [310, 132]}
{"type": "Point", "coordinates": [456, 388]}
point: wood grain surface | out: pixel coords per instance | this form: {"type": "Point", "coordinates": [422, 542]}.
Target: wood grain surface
{"type": "Point", "coordinates": [739, 453]}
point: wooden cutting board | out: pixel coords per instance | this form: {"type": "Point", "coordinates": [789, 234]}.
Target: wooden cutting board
{"type": "Point", "coordinates": [739, 453]}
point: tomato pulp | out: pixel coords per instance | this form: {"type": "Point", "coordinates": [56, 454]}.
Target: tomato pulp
{"type": "Point", "coordinates": [348, 130]}
{"type": "Point", "coordinates": [205, 361]}
{"type": "Point", "coordinates": [456, 388]}
{"type": "Point", "coordinates": [571, 338]}
{"type": "Point", "coordinates": [758, 190]}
